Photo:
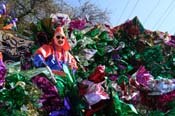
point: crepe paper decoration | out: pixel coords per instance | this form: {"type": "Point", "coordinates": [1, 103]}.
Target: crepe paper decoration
{"type": "Point", "coordinates": [63, 111]}
{"type": "Point", "coordinates": [78, 34]}
{"type": "Point", "coordinates": [113, 77]}
{"type": "Point", "coordinates": [128, 109]}
{"type": "Point", "coordinates": [26, 61]}
{"type": "Point", "coordinates": [94, 92]}
{"type": "Point", "coordinates": [2, 9]}
{"type": "Point", "coordinates": [158, 93]}
{"type": "Point", "coordinates": [93, 32]}
{"type": "Point", "coordinates": [52, 97]}
{"type": "Point", "coordinates": [50, 94]}
{"type": "Point", "coordinates": [104, 36]}
{"type": "Point", "coordinates": [67, 103]}
{"type": "Point", "coordinates": [57, 113]}
{"type": "Point", "coordinates": [133, 83]}
{"type": "Point", "coordinates": [77, 24]}
{"type": "Point", "coordinates": [143, 76]}
{"type": "Point", "coordinates": [156, 113]}
{"type": "Point", "coordinates": [87, 54]}
{"type": "Point", "coordinates": [3, 72]}
{"type": "Point", "coordinates": [132, 108]}
{"type": "Point", "coordinates": [29, 110]}
{"type": "Point", "coordinates": [155, 53]}
{"type": "Point", "coordinates": [161, 86]}
{"type": "Point", "coordinates": [116, 56]}
{"type": "Point", "coordinates": [123, 78]}
{"type": "Point", "coordinates": [109, 49]}
{"type": "Point", "coordinates": [109, 30]}
{"type": "Point", "coordinates": [82, 88]}
{"type": "Point", "coordinates": [14, 21]}
{"type": "Point", "coordinates": [121, 45]}
{"type": "Point", "coordinates": [158, 62]}
{"type": "Point", "coordinates": [66, 70]}
{"type": "Point", "coordinates": [121, 108]}
{"type": "Point", "coordinates": [46, 25]}
{"type": "Point", "coordinates": [171, 110]}
{"type": "Point", "coordinates": [161, 37]}
{"type": "Point", "coordinates": [15, 96]}
{"type": "Point", "coordinates": [159, 102]}
{"type": "Point", "coordinates": [132, 27]}
{"type": "Point", "coordinates": [52, 78]}
{"type": "Point", "coordinates": [11, 24]}
{"type": "Point", "coordinates": [47, 73]}
{"type": "Point", "coordinates": [170, 40]}
{"type": "Point", "coordinates": [1, 56]}
{"type": "Point", "coordinates": [77, 103]}
{"type": "Point", "coordinates": [60, 19]}
{"type": "Point", "coordinates": [97, 108]}
{"type": "Point", "coordinates": [98, 75]}
{"type": "Point", "coordinates": [165, 98]}
{"type": "Point", "coordinates": [132, 97]}
{"type": "Point", "coordinates": [132, 50]}
{"type": "Point", "coordinates": [42, 31]}
{"type": "Point", "coordinates": [7, 27]}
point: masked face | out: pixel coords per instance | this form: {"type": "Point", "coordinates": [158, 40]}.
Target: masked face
{"type": "Point", "coordinates": [59, 39]}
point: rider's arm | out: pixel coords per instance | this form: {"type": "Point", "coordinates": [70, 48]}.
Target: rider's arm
{"type": "Point", "coordinates": [40, 55]}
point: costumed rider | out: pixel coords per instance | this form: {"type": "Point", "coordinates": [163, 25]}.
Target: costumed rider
{"type": "Point", "coordinates": [55, 54]}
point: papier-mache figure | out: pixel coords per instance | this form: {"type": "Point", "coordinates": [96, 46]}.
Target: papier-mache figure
{"type": "Point", "coordinates": [55, 54]}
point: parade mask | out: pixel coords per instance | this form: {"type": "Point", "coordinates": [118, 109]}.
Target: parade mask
{"type": "Point", "coordinates": [60, 39]}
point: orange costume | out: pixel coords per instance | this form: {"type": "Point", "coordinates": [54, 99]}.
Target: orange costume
{"type": "Point", "coordinates": [56, 53]}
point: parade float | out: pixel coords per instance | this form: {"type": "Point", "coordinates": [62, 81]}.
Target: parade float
{"type": "Point", "coordinates": [125, 70]}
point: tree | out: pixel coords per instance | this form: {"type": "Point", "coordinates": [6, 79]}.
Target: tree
{"type": "Point", "coordinates": [95, 15]}
{"type": "Point", "coordinates": [28, 11]}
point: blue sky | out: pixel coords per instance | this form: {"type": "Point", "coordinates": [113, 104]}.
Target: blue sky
{"type": "Point", "coordinates": [153, 14]}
